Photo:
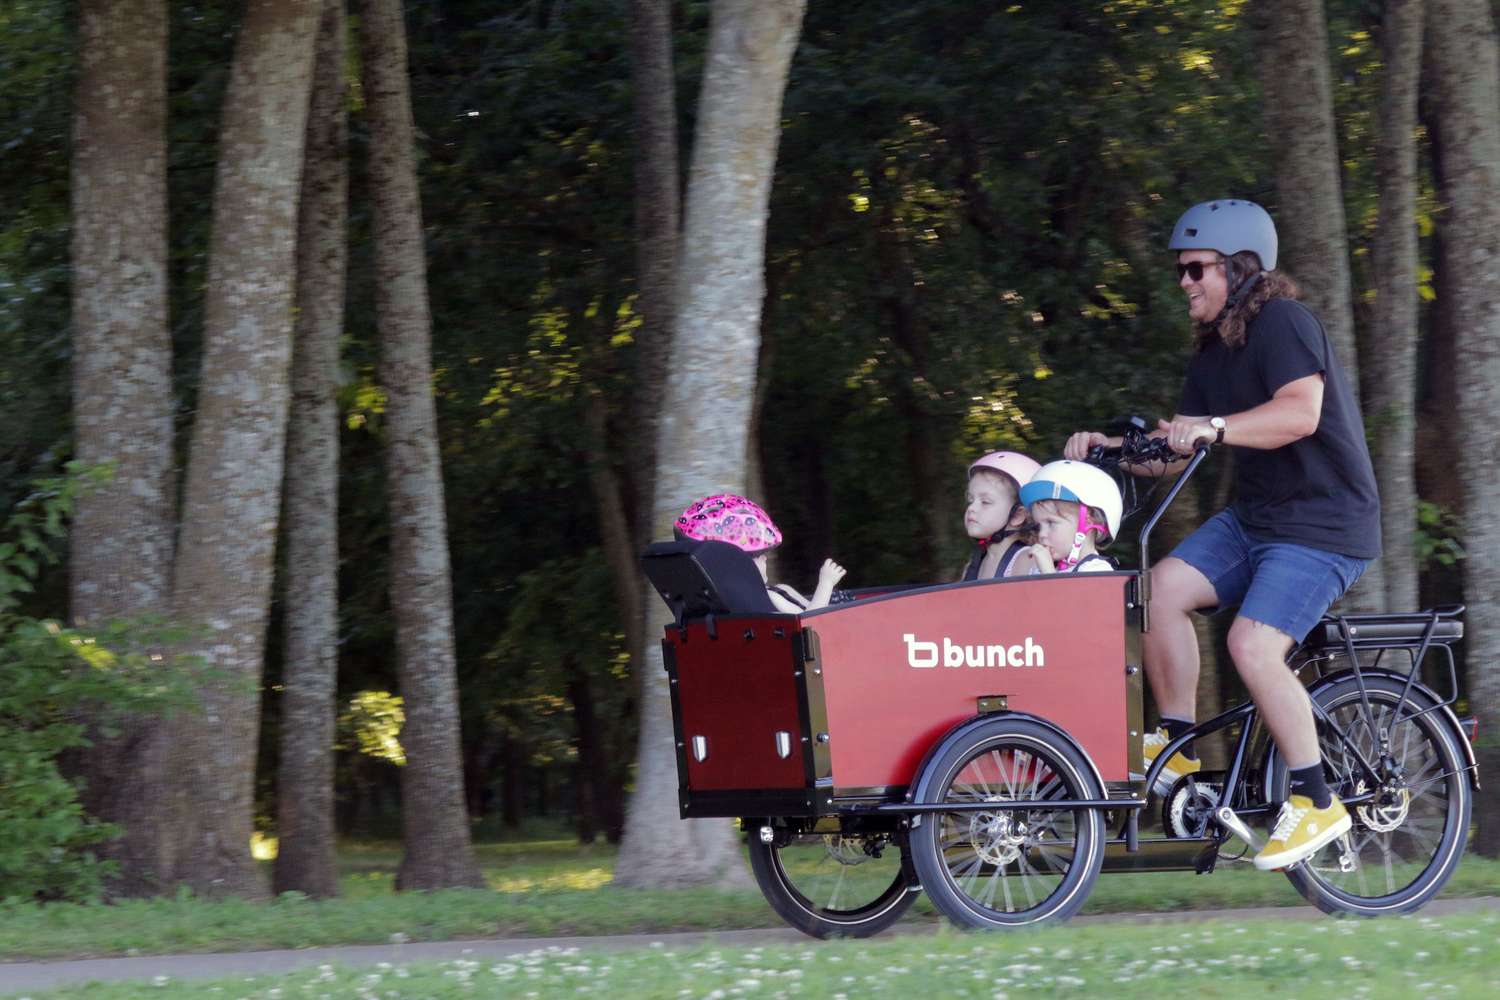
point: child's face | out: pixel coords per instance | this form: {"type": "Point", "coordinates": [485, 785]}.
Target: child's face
{"type": "Point", "coordinates": [990, 504]}
{"type": "Point", "coordinates": [1056, 524]}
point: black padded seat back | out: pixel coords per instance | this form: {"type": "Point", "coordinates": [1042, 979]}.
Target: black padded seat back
{"type": "Point", "coordinates": [701, 579]}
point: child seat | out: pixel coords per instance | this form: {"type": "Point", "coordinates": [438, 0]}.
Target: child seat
{"type": "Point", "coordinates": [704, 579]}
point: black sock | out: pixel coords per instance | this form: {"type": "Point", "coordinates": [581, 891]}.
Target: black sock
{"type": "Point", "coordinates": [1309, 781]}
{"type": "Point", "coordinates": [1175, 728]}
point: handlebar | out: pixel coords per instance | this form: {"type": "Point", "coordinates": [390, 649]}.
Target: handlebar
{"type": "Point", "coordinates": [1137, 448]}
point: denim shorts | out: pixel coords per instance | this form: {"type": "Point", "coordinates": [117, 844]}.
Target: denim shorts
{"type": "Point", "coordinates": [1280, 584]}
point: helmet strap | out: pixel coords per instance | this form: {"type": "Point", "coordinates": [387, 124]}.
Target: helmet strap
{"type": "Point", "coordinates": [1003, 533]}
{"type": "Point", "coordinates": [1085, 525]}
{"type": "Point", "coordinates": [1238, 295]}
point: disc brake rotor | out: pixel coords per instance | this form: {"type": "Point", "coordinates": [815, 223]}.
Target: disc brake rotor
{"type": "Point", "coordinates": [1386, 811]}
{"type": "Point", "coordinates": [997, 837]}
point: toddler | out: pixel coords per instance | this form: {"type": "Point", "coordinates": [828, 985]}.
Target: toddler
{"type": "Point", "coordinates": [1077, 508]}
{"type": "Point", "coordinates": [995, 517]}
{"type": "Point", "coordinates": [725, 517]}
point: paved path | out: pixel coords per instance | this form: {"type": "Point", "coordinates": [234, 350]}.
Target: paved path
{"type": "Point", "coordinates": [19, 976]}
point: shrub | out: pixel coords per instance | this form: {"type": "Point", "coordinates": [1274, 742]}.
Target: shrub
{"type": "Point", "coordinates": [49, 676]}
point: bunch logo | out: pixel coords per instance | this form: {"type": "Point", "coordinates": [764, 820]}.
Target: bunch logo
{"type": "Point", "coordinates": [925, 654]}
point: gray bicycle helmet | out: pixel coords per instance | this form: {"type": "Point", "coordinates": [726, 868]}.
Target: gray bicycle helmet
{"type": "Point", "coordinates": [1228, 225]}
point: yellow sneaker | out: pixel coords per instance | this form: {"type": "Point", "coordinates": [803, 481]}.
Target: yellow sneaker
{"type": "Point", "coordinates": [1152, 746]}
{"type": "Point", "coordinates": [1301, 831]}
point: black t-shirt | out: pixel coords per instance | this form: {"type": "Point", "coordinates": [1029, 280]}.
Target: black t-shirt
{"type": "Point", "coordinates": [1318, 491]}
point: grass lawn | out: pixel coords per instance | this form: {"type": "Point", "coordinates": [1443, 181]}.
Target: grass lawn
{"type": "Point", "coordinates": [1410, 957]}
{"type": "Point", "coordinates": [537, 888]}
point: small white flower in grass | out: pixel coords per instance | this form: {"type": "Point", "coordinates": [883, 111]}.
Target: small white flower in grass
{"type": "Point", "coordinates": [160, 980]}
{"type": "Point", "coordinates": [504, 969]}
{"type": "Point", "coordinates": [1420, 954]}
{"type": "Point", "coordinates": [400, 937]}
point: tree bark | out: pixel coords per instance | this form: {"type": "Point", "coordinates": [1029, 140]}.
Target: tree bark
{"type": "Point", "coordinates": [1462, 51]}
{"type": "Point", "coordinates": [121, 538]}
{"type": "Point", "coordinates": [714, 346]}
{"type": "Point", "coordinates": [232, 499]}
{"type": "Point", "coordinates": [1391, 365]}
{"type": "Point", "coordinates": [1293, 61]}
{"type": "Point", "coordinates": [439, 852]}
{"type": "Point", "coordinates": [306, 860]}
{"type": "Point", "coordinates": [658, 222]}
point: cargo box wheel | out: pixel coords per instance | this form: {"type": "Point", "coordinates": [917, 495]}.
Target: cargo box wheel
{"type": "Point", "coordinates": [833, 885]}
{"type": "Point", "coordinates": [1006, 867]}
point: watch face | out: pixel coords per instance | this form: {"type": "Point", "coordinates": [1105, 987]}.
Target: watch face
{"type": "Point", "coordinates": [1217, 423]}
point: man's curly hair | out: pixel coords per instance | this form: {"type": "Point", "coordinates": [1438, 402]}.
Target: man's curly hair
{"type": "Point", "coordinates": [1231, 327]}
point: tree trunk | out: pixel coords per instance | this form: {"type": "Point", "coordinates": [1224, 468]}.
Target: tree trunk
{"type": "Point", "coordinates": [658, 220]}
{"type": "Point", "coordinates": [591, 774]}
{"type": "Point", "coordinates": [1462, 51]}
{"type": "Point", "coordinates": [1391, 364]}
{"type": "Point", "coordinates": [306, 861]}
{"type": "Point", "coordinates": [913, 393]}
{"type": "Point", "coordinates": [121, 538]}
{"type": "Point", "coordinates": [714, 346]}
{"type": "Point", "coordinates": [232, 499]}
{"type": "Point", "coordinates": [439, 853]}
{"type": "Point", "coordinates": [1293, 60]}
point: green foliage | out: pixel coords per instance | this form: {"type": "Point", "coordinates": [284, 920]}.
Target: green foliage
{"type": "Point", "coordinates": [1437, 537]}
{"type": "Point", "coordinates": [50, 673]}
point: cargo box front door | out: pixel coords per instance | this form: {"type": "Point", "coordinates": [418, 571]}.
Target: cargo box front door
{"type": "Point", "coordinates": [898, 672]}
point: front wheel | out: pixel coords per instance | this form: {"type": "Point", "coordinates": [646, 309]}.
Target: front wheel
{"type": "Point", "coordinates": [1003, 867]}
{"type": "Point", "coordinates": [833, 884]}
{"type": "Point", "coordinates": [1409, 835]}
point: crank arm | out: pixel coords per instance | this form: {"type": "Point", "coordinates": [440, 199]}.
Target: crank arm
{"type": "Point", "coordinates": [1229, 821]}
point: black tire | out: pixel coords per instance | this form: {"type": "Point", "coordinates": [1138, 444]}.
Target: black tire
{"type": "Point", "coordinates": [834, 885]}
{"type": "Point", "coordinates": [1009, 868]}
{"type": "Point", "coordinates": [1406, 846]}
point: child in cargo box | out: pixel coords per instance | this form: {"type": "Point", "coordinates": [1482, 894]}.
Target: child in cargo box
{"type": "Point", "coordinates": [1077, 508]}
{"type": "Point", "coordinates": [995, 518]}
{"type": "Point", "coordinates": [725, 517]}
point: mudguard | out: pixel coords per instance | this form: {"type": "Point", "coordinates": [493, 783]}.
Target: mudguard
{"type": "Point", "coordinates": [1345, 676]}
{"type": "Point", "coordinates": [922, 786]}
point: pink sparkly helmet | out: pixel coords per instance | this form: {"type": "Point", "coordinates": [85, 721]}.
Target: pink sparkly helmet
{"type": "Point", "coordinates": [725, 517]}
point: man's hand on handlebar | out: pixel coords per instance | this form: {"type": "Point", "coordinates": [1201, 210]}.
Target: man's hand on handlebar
{"type": "Point", "coordinates": [1185, 434]}
{"type": "Point", "coordinates": [1080, 444]}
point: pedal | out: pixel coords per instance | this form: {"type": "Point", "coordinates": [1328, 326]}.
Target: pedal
{"type": "Point", "coordinates": [1347, 862]}
{"type": "Point", "coordinates": [1235, 825]}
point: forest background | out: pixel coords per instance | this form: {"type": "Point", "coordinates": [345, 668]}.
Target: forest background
{"type": "Point", "coordinates": [964, 243]}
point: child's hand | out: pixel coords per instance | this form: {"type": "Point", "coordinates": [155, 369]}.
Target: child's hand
{"type": "Point", "coordinates": [1043, 558]}
{"type": "Point", "coordinates": [830, 574]}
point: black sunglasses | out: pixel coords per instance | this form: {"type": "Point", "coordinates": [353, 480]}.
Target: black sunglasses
{"type": "Point", "coordinates": [1194, 269]}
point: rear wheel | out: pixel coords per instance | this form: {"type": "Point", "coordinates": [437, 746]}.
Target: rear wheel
{"type": "Point", "coordinates": [1004, 867]}
{"type": "Point", "coordinates": [833, 885]}
{"type": "Point", "coordinates": [1408, 837]}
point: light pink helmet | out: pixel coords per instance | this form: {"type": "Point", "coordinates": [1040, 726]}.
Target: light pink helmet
{"type": "Point", "coordinates": [1011, 463]}
{"type": "Point", "coordinates": [725, 517]}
